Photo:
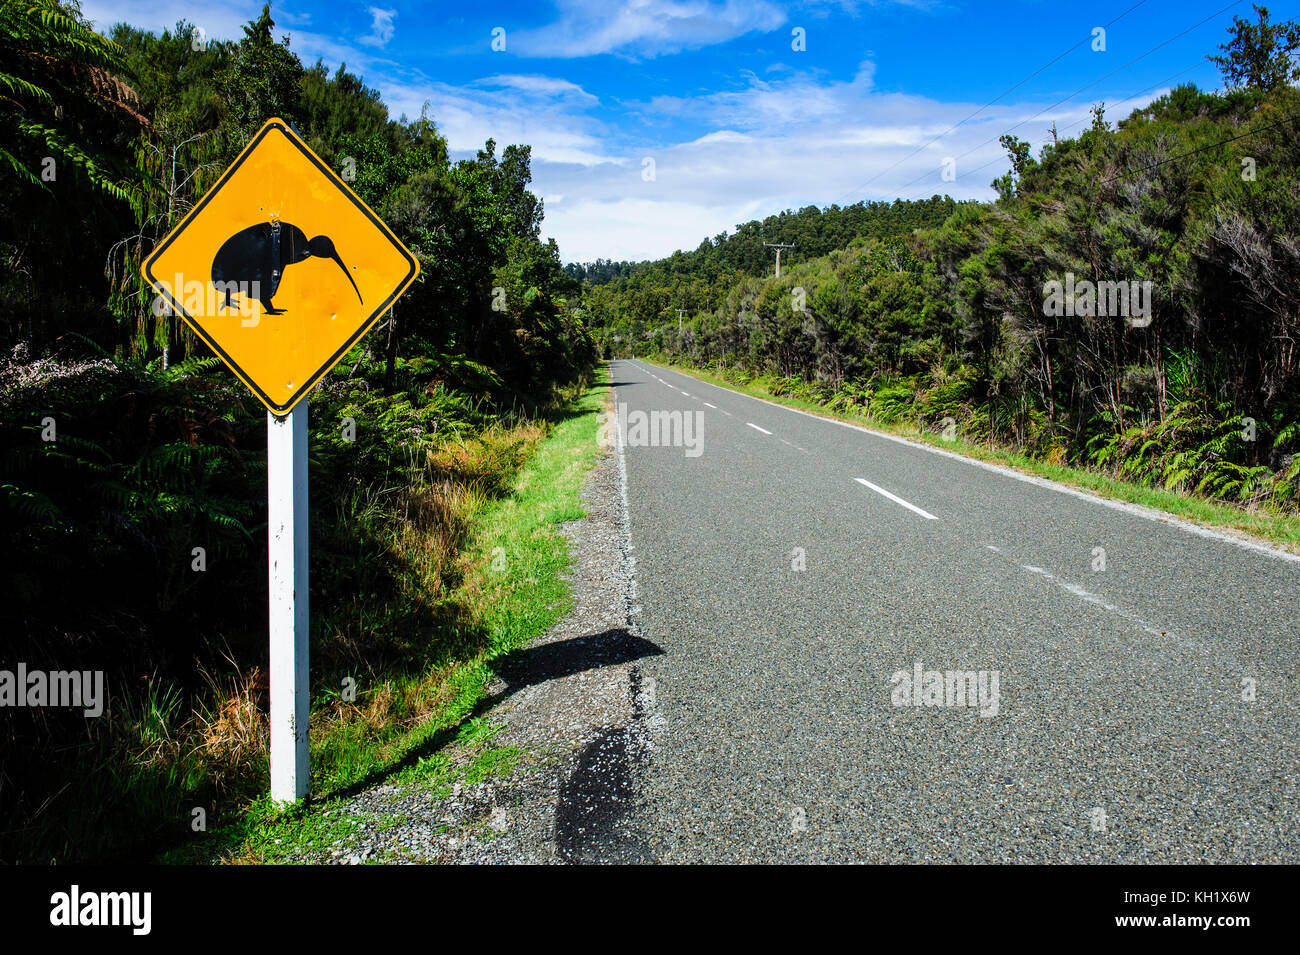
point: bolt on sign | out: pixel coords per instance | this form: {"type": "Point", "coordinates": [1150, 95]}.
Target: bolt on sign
{"type": "Point", "coordinates": [280, 268]}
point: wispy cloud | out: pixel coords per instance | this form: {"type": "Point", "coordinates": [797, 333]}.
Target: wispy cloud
{"type": "Point", "coordinates": [548, 113]}
{"type": "Point", "coordinates": [739, 146]}
{"type": "Point", "coordinates": [381, 27]}
{"type": "Point", "coordinates": [644, 28]}
{"type": "Point", "coordinates": [551, 87]}
{"type": "Point", "coordinates": [369, 63]}
{"type": "Point", "coordinates": [220, 19]}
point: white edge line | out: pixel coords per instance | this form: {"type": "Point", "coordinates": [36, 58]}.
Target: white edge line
{"type": "Point", "coordinates": [1137, 510]}
{"type": "Point", "coordinates": [896, 499]}
{"type": "Point", "coordinates": [630, 596]}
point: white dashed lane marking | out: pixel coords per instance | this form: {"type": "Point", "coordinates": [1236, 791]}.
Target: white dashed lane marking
{"type": "Point", "coordinates": [896, 499]}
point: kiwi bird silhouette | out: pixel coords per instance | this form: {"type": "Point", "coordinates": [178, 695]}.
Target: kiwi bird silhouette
{"type": "Point", "coordinates": [252, 255]}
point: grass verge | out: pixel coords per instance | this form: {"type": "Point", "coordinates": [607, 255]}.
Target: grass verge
{"type": "Point", "coordinates": [509, 591]}
{"type": "Point", "coordinates": [1282, 530]}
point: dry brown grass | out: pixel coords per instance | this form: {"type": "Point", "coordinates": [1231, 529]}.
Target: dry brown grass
{"type": "Point", "coordinates": [235, 730]}
{"type": "Point", "coordinates": [425, 541]}
{"type": "Point", "coordinates": [437, 516]}
{"type": "Point", "coordinates": [426, 534]}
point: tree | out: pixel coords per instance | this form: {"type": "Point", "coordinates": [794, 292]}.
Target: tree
{"type": "Point", "coordinates": [263, 79]}
{"type": "Point", "coordinates": [510, 177]}
{"type": "Point", "coordinates": [1021, 162]}
{"type": "Point", "coordinates": [57, 71]}
{"type": "Point", "coordinates": [66, 125]}
{"type": "Point", "coordinates": [333, 107]}
{"type": "Point", "coordinates": [1261, 55]}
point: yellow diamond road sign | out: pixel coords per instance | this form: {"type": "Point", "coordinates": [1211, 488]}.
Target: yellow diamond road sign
{"type": "Point", "coordinates": [280, 268]}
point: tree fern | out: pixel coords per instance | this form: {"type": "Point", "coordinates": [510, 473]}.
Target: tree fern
{"type": "Point", "coordinates": [46, 55]}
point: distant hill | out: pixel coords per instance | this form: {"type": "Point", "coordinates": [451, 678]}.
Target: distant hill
{"type": "Point", "coordinates": [812, 231]}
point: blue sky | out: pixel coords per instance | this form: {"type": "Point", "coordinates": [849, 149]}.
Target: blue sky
{"type": "Point", "coordinates": [737, 121]}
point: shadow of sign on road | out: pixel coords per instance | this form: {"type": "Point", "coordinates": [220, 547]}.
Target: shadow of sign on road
{"type": "Point", "coordinates": [554, 661]}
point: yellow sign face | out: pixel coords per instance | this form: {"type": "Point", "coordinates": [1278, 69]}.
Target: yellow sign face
{"type": "Point", "coordinates": [280, 268]}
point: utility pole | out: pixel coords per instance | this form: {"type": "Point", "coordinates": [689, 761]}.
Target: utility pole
{"type": "Point", "coordinates": [679, 322]}
{"type": "Point", "coordinates": [778, 246]}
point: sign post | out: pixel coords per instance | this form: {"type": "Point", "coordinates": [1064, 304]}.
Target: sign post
{"type": "Point", "coordinates": [281, 269]}
{"type": "Point", "coordinates": [286, 509]}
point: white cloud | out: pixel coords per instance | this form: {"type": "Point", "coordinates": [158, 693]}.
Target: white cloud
{"type": "Point", "coordinates": [220, 19]}
{"type": "Point", "coordinates": [312, 46]}
{"type": "Point", "coordinates": [626, 228]}
{"type": "Point", "coordinates": [785, 139]}
{"type": "Point", "coordinates": [548, 113]}
{"type": "Point", "coordinates": [550, 86]}
{"type": "Point", "coordinates": [381, 27]}
{"type": "Point", "coordinates": [225, 20]}
{"type": "Point", "coordinates": [777, 146]}
{"type": "Point", "coordinates": [645, 27]}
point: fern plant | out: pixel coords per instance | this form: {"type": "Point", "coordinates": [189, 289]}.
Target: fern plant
{"type": "Point", "coordinates": [143, 467]}
{"type": "Point", "coordinates": [1202, 447]}
{"type": "Point", "coordinates": [47, 57]}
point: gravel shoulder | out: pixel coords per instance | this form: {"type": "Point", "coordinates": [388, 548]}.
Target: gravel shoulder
{"type": "Point", "coordinates": [564, 727]}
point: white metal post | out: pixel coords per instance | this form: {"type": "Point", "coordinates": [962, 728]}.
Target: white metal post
{"type": "Point", "coordinates": [286, 500]}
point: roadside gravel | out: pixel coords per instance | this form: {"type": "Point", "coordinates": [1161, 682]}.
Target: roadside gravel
{"type": "Point", "coordinates": [570, 721]}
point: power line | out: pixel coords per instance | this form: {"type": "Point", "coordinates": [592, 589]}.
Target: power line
{"type": "Point", "coordinates": [1132, 96]}
{"type": "Point", "coordinates": [1086, 86]}
{"type": "Point", "coordinates": [1009, 89]}
{"type": "Point", "coordinates": [1190, 152]}
{"type": "Point", "coordinates": [1062, 102]}
{"type": "Point", "coordinates": [778, 246]}
{"type": "Point", "coordinates": [1232, 139]}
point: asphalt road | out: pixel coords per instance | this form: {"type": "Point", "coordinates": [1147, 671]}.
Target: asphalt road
{"type": "Point", "coordinates": [777, 730]}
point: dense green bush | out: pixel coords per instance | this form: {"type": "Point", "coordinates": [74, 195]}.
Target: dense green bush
{"type": "Point", "coordinates": [915, 319]}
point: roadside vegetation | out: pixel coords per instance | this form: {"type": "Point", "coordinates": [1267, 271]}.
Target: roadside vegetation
{"type": "Point", "coordinates": [1277, 526]}
{"type": "Point", "coordinates": [125, 445]}
{"type": "Point", "coordinates": [509, 591]}
{"type": "Point", "coordinates": [941, 317]}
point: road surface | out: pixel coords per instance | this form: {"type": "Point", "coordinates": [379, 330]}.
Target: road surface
{"type": "Point", "coordinates": [797, 573]}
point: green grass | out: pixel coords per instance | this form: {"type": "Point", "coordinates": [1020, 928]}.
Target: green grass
{"type": "Point", "coordinates": [523, 594]}
{"type": "Point", "coordinates": [513, 590]}
{"type": "Point", "coordinates": [1280, 529]}
{"type": "Point", "coordinates": [493, 764]}
{"type": "Point", "coordinates": [477, 731]}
